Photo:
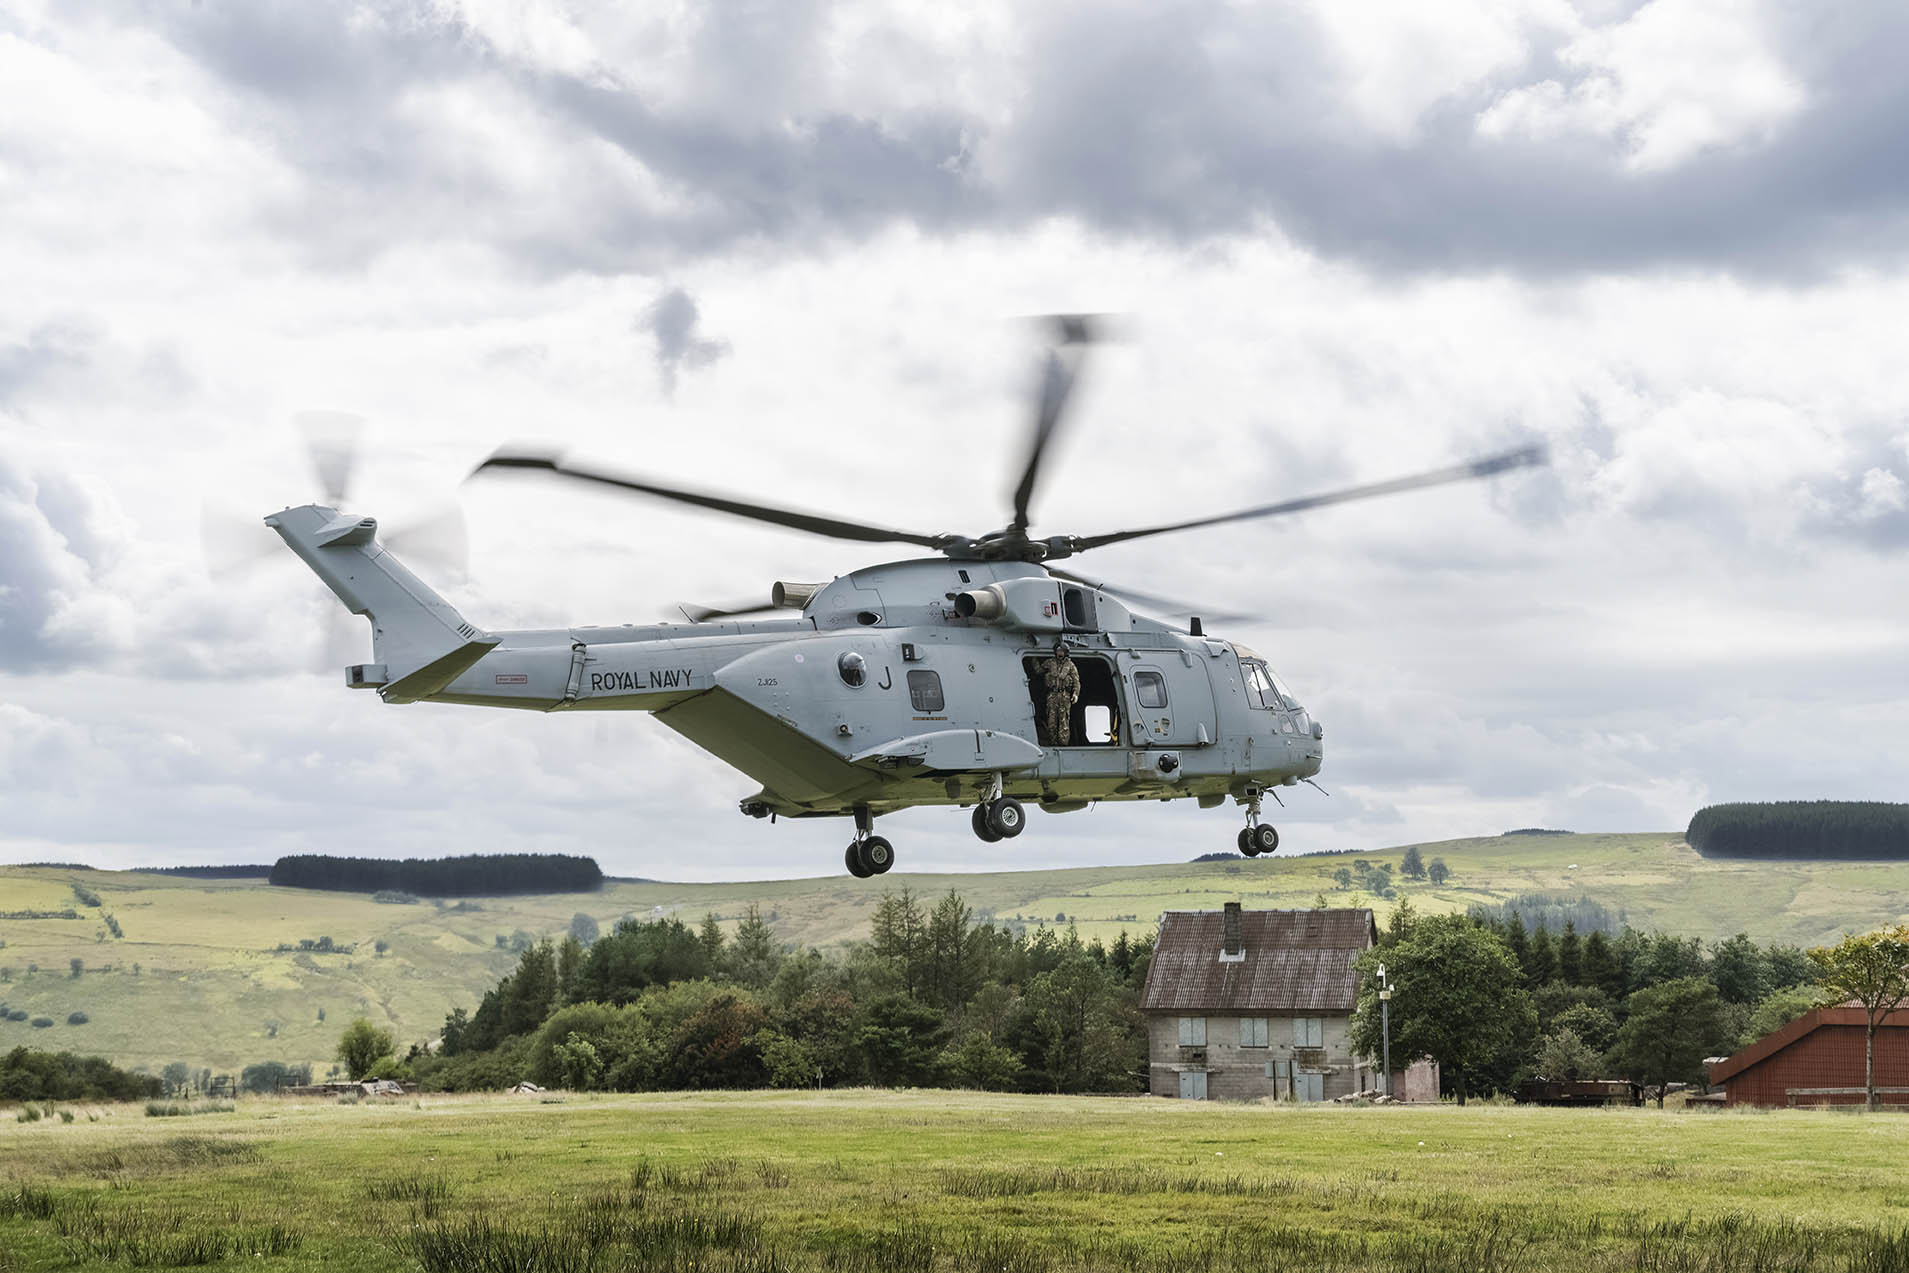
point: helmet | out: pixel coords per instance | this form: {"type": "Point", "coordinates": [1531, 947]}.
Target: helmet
{"type": "Point", "coordinates": [1060, 648]}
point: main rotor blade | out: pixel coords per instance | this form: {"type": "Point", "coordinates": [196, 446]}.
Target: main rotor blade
{"type": "Point", "coordinates": [1523, 457]}
{"type": "Point", "coordinates": [709, 614]}
{"type": "Point", "coordinates": [834, 528]}
{"type": "Point", "coordinates": [1165, 605]}
{"type": "Point", "coordinates": [1071, 334]}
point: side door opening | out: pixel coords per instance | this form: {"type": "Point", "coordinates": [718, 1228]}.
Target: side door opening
{"type": "Point", "coordinates": [1096, 718]}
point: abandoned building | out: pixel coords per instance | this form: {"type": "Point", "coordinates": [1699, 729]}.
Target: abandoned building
{"type": "Point", "coordinates": [1817, 1059]}
{"type": "Point", "coordinates": [1242, 1005]}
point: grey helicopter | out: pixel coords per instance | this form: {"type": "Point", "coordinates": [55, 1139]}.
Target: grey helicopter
{"type": "Point", "coordinates": [983, 676]}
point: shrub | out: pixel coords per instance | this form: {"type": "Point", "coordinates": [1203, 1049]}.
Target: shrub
{"type": "Point", "coordinates": [76, 1018]}
{"type": "Point", "coordinates": [42, 1023]}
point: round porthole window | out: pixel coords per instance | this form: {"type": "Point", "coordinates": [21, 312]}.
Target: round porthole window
{"type": "Point", "coordinates": [854, 669]}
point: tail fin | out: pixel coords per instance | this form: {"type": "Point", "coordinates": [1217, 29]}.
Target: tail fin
{"type": "Point", "coordinates": [420, 643]}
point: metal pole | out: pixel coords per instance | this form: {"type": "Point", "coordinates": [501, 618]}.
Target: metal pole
{"type": "Point", "coordinates": [1385, 1034]}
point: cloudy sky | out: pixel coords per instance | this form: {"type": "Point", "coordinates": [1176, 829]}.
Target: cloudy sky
{"type": "Point", "coordinates": [788, 249]}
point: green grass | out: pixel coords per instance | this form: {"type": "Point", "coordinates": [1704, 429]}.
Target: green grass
{"type": "Point", "coordinates": [930, 1181]}
{"type": "Point", "coordinates": [214, 990]}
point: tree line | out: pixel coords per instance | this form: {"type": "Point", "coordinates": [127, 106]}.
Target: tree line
{"type": "Point", "coordinates": [932, 997]}
{"type": "Point", "coordinates": [1497, 1003]}
{"type": "Point", "coordinates": [1833, 829]}
{"type": "Point", "coordinates": [29, 1074]}
{"type": "Point", "coordinates": [476, 874]}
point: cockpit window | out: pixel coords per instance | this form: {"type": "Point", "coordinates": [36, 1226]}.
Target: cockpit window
{"type": "Point", "coordinates": [1259, 685]}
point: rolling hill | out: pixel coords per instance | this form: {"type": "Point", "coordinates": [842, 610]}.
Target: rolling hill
{"type": "Point", "coordinates": [216, 972]}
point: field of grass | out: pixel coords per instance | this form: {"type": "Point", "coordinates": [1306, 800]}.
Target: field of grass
{"type": "Point", "coordinates": [212, 987]}
{"type": "Point", "coordinates": [924, 1181]}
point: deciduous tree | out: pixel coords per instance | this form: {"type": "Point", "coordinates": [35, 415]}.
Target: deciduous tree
{"type": "Point", "coordinates": [1668, 1030]}
{"type": "Point", "coordinates": [1872, 969]}
{"type": "Point", "coordinates": [360, 1046]}
{"type": "Point", "coordinates": [1457, 999]}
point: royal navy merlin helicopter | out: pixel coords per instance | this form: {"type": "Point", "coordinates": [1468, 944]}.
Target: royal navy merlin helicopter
{"type": "Point", "coordinates": [916, 682]}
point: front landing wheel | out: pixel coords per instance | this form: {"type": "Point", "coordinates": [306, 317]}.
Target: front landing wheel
{"type": "Point", "coordinates": [1006, 817]}
{"type": "Point", "coordinates": [877, 855]}
{"type": "Point", "coordinates": [1246, 842]}
{"type": "Point", "coordinates": [854, 861]}
{"type": "Point", "coordinates": [1265, 838]}
{"type": "Point", "coordinates": [982, 830]}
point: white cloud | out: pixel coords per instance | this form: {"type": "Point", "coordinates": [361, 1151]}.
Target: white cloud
{"type": "Point", "coordinates": [1882, 493]}
{"type": "Point", "coordinates": [1670, 81]}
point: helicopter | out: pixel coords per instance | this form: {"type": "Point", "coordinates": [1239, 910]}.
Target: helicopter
{"type": "Point", "coordinates": [912, 682]}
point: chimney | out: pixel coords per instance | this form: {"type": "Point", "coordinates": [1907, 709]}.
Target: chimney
{"type": "Point", "coordinates": [1233, 946]}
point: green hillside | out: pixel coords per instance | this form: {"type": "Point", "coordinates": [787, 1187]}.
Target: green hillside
{"type": "Point", "coordinates": [211, 971]}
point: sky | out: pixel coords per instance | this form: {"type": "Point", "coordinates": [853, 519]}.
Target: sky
{"type": "Point", "coordinates": [790, 249]}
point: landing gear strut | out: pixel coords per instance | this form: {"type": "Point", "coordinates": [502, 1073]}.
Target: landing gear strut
{"type": "Point", "coordinates": [998, 816]}
{"type": "Point", "coordinates": [868, 854]}
{"type": "Point", "coordinates": [1256, 837]}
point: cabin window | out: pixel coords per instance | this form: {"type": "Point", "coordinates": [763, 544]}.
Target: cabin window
{"type": "Point", "coordinates": [1192, 1032]}
{"type": "Point", "coordinates": [1309, 1032]}
{"type": "Point", "coordinates": [1076, 607]}
{"type": "Point", "coordinates": [1252, 1032]}
{"type": "Point", "coordinates": [924, 691]}
{"type": "Point", "coordinates": [1150, 689]}
{"type": "Point", "coordinates": [854, 669]}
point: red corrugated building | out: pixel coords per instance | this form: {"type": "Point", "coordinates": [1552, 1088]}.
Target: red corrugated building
{"type": "Point", "coordinates": [1817, 1059]}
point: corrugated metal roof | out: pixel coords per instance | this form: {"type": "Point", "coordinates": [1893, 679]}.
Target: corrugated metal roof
{"type": "Point", "coordinates": [1296, 962]}
{"type": "Point", "coordinates": [1847, 1013]}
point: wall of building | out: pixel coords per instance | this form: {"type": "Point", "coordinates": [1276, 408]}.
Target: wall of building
{"type": "Point", "coordinates": [1234, 1073]}
{"type": "Point", "coordinates": [1825, 1067]}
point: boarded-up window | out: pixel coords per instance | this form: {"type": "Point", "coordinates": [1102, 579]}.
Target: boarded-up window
{"type": "Point", "coordinates": [1252, 1032]}
{"type": "Point", "coordinates": [1309, 1032]}
{"type": "Point", "coordinates": [1192, 1032]}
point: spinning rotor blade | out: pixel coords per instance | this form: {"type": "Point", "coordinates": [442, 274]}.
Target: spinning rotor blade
{"type": "Point", "coordinates": [331, 438]}
{"type": "Point", "coordinates": [1165, 605]}
{"type": "Point", "coordinates": [438, 539]}
{"type": "Point", "coordinates": [834, 528]}
{"type": "Point", "coordinates": [1071, 334]}
{"type": "Point", "coordinates": [1523, 457]}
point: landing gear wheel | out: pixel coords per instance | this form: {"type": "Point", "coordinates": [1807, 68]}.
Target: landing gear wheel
{"type": "Point", "coordinates": [1265, 837]}
{"type": "Point", "coordinates": [854, 861]}
{"type": "Point", "coordinates": [982, 830]}
{"type": "Point", "coordinates": [1246, 843]}
{"type": "Point", "coordinates": [1006, 817]}
{"type": "Point", "coordinates": [877, 855]}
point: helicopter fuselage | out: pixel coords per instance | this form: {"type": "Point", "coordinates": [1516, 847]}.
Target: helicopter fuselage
{"type": "Point", "coordinates": [883, 695]}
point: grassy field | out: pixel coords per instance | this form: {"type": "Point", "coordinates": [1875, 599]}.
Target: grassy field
{"type": "Point", "coordinates": [923, 1181]}
{"type": "Point", "coordinates": [198, 975]}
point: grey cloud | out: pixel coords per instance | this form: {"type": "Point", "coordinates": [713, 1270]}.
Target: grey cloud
{"type": "Point", "coordinates": [672, 320]}
{"type": "Point", "coordinates": [1173, 125]}
{"type": "Point", "coordinates": [44, 572]}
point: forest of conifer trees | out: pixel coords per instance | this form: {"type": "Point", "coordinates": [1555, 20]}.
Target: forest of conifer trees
{"type": "Point", "coordinates": [1802, 829]}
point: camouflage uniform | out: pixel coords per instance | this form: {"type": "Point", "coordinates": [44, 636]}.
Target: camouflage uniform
{"type": "Point", "coordinates": [1062, 679]}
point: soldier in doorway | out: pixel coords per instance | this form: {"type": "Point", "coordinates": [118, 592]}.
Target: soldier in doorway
{"type": "Point", "coordinates": [1062, 680]}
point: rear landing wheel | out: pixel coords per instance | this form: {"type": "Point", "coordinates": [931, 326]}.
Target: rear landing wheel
{"type": "Point", "coordinates": [1006, 817]}
{"type": "Point", "coordinates": [854, 861]}
{"type": "Point", "coordinates": [1246, 842]}
{"type": "Point", "coordinates": [877, 855]}
{"type": "Point", "coordinates": [982, 830]}
{"type": "Point", "coordinates": [1265, 838]}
